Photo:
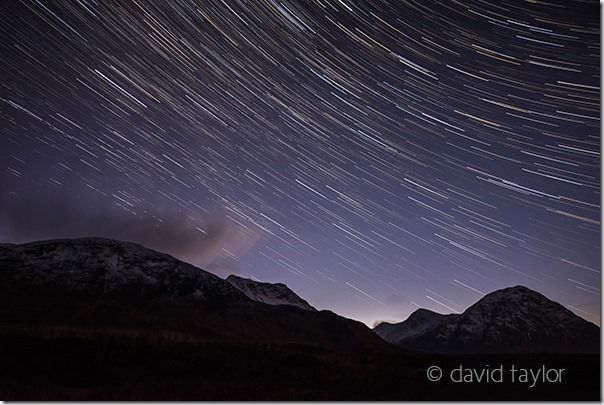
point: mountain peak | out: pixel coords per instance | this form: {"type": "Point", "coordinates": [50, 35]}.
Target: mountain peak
{"type": "Point", "coordinates": [515, 290]}
{"type": "Point", "coordinates": [417, 323]}
{"type": "Point", "coordinates": [269, 293]}
{"type": "Point", "coordinates": [423, 313]}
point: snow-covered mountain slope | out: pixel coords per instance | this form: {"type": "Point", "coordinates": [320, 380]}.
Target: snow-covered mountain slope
{"type": "Point", "coordinates": [273, 294]}
{"type": "Point", "coordinates": [105, 284]}
{"type": "Point", "coordinates": [107, 267]}
{"type": "Point", "coordinates": [514, 319]}
{"type": "Point", "coordinates": [417, 323]}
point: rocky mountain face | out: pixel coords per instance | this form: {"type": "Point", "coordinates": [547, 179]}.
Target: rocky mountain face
{"type": "Point", "coordinates": [269, 293]}
{"type": "Point", "coordinates": [418, 322]}
{"type": "Point", "coordinates": [107, 284]}
{"type": "Point", "coordinates": [105, 268]}
{"type": "Point", "coordinates": [514, 319]}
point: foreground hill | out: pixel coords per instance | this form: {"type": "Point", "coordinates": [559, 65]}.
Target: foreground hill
{"type": "Point", "coordinates": [511, 320]}
{"type": "Point", "coordinates": [102, 283]}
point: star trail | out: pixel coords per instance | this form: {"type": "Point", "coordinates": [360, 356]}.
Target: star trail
{"type": "Point", "coordinates": [376, 156]}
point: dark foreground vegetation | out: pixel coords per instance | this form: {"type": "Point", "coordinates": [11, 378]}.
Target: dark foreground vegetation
{"type": "Point", "coordinates": [66, 363]}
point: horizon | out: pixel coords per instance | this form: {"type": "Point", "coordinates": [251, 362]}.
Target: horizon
{"type": "Point", "coordinates": [373, 158]}
{"type": "Point", "coordinates": [369, 323]}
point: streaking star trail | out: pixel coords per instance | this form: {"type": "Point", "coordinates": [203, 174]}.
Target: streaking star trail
{"type": "Point", "coordinates": [374, 156]}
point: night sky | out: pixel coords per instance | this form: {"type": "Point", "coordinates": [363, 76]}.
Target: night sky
{"type": "Point", "coordinates": [374, 156]}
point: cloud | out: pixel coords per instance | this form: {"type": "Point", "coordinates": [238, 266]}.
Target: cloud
{"type": "Point", "coordinates": [211, 242]}
{"type": "Point", "coordinates": [376, 323]}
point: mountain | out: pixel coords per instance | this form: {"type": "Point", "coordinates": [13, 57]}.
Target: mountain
{"type": "Point", "coordinates": [103, 284]}
{"type": "Point", "coordinates": [273, 294]}
{"type": "Point", "coordinates": [103, 268]}
{"type": "Point", "coordinates": [511, 320]}
{"type": "Point", "coordinates": [418, 322]}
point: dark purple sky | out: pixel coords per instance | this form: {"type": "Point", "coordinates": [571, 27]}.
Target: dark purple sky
{"type": "Point", "coordinates": [374, 156]}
